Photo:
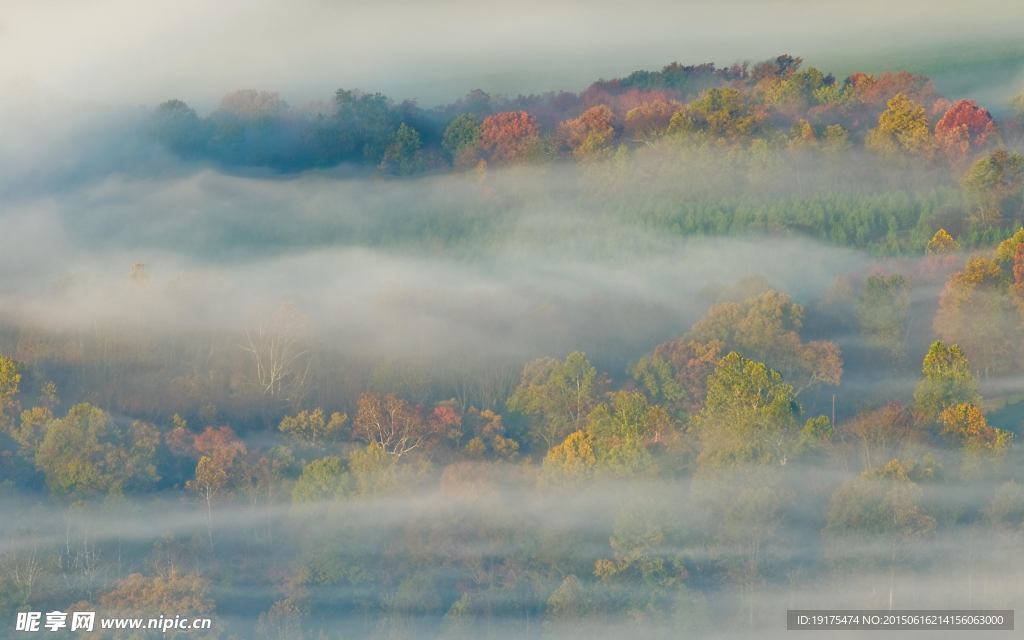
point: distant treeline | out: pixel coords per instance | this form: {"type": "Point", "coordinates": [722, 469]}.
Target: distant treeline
{"type": "Point", "coordinates": [774, 120]}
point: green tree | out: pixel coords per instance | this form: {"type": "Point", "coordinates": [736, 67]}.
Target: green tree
{"type": "Point", "coordinates": [402, 157]}
{"type": "Point", "coordinates": [313, 429]}
{"type": "Point", "coordinates": [883, 313]}
{"type": "Point", "coordinates": [462, 132]}
{"type": "Point", "coordinates": [995, 183]}
{"type": "Point", "coordinates": [884, 506]}
{"type": "Point", "coordinates": [622, 427]}
{"type": "Point", "coordinates": [86, 453]}
{"type": "Point", "coordinates": [10, 381]}
{"type": "Point", "coordinates": [946, 380]}
{"type": "Point", "coordinates": [750, 416]}
{"type": "Point", "coordinates": [322, 479]}
{"type": "Point", "coordinates": [556, 397]}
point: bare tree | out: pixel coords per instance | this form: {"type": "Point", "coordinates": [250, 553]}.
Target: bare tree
{"type": "Point", "coordinates": [280, 356]}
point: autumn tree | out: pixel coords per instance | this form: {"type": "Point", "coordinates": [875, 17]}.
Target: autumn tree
{"type": "Point", "coordinates": [219, 468]}
{"type": "Point", "coordinates": [981, 443]}
{"type": "Point", "coordinates": [510, 136]}
{"type": "Point", "coordinates": [751, 416]}
{"type": "Point", "coordinates": [723, 113]}
{"type": "Point", "coordinates": [86, 453]}
{"type": "Point", "coordinates": [977, 311]}
{"type": "Point", "coordinates": [902, 129]}
{"type": "Point", "coordinates": [946, 381]}
{"type": "Point", "coordinates": [995, 183]}
{"type": "Point", "coordinates": [571, 461]}
{"type": "Point", "coordinates": [883, 312]}
{"type": "Point", "coordinates": [253, 103]}
{"type": "Point", "coordinates": [941, 254]}
{"type": "Point", "coordinates": [589, 135]}
{"type": "Point", "coordinates": [882, 434]}
{"type": "Point", "coordinates": [964, 129]}
{"type": "Point", "coordinates": [487, 436]}
{"type": "Point", "coordinates": [167, 592]}
{"type": "Point", "coordinates": [942, 244]}
{"type": "Point", "coordinates": [766, 326]}
{"type": "Point", "coordinates": [556, 397]}
{"type": "Point", "coordinates": [649, 120]}
{"type": "Point", "coordinates": [10, 380]}
{"type": "Point", "coordinates": [675, 373]}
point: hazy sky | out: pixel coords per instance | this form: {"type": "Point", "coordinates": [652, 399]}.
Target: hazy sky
{"type": "Point", "coordinates": [125, 51]}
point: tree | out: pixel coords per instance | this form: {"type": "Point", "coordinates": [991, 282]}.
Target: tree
{"type": "Point", "coordinates": [902, 129]}
{"type": "Point", "coordinates": [884, 505]}
{"type": "Point", "coordinates": [176, 126]}
{"type": "Point", "coordinates": [964, 129]}
{"type": "Point", "coordinates": [646, 564]}
{"type": "Point", "coordinates": [280, 355]}
{"type": "Point", "coordinates": [402, 157]}
{"type": "Point", "coordinates": [1018, 273]}
{"type": "Point", "coordinates": [376, 471]}
{"type": "Point", "coordinates": [623, 427]}
{"type": "Point", "coordinates": [977, 311]}
{"type": "Point", "coordinates": [572, 461]}
{"type": "Point", "coordinates": [322, 479]}
{"type": "Point", "coordinates": [942, 244]}
{"type": "Point", "coordinates": [995, 182]}
{"type": "Point", "coordinates": [253, 104]}
{"type": "Point", "coordinates": [946, 381]}
{"type": "Point", "coordinates": [589, 135]}
{"type": "Point", "coordinates": [221, 456]}
{"type": "Point", "coordinates": [766, 326]}
{"type": "Point", "coordinates": [86, 453]}
{"type": "Point", "coordinates": [556, 397]}
{"type": "Point", "coordinates": [883, 312]}
{"type": "Point", "coordinates": [461, 138]}
{"type": "Point", "coordinates": [365, 123]}
{"type": "Point", "coordinates": [675, 373]}
{"type": "Point", "coordinates": [982, 444]}
{"type": "Point", "coordinates": [882, 434]}
{"type": "Point", "coordinates": [312, 429]}
{"type": "Point", "coordinates": [510, 136]}
{"type": "Point", "coordinates": [750, 416]}
{"type": "Point", "coordinates": [650, 120]}
{"type": "Point", "coordinates": [10, 381]}
{"type": "Point", "coordinates": [170, 592]}
{"type": "Point", "coordinates": [392, 424]}
{"type": "Point", "coordinates": [487, 436]}
{"type": "Point", "coordinates": [723, 113]}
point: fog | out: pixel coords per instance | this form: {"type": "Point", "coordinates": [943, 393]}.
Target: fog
{"type": "Point", "coordinates": [118, 52]}
{"type": "Point", "coordinates": [487, 528]}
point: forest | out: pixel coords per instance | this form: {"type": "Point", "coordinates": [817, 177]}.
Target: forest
{"type": "Point", "coordinates": [662, 358]}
